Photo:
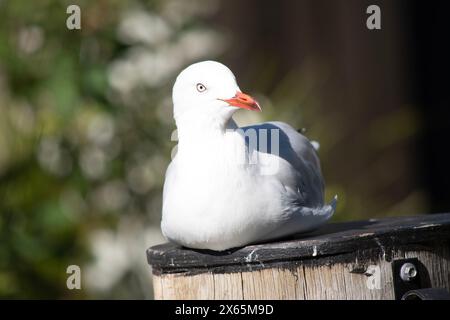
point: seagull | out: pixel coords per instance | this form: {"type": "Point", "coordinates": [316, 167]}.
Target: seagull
{"type": "Point", "coordinates": [231, 186]}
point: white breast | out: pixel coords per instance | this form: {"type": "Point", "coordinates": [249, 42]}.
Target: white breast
{"type": "Point", "coordinates": [214, 200]}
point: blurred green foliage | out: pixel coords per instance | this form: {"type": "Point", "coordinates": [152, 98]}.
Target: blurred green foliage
{"type": "Point", "coordinates": [85, 133]}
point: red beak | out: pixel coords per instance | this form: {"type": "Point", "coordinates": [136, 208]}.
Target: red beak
{"type": "Point", "coordinates": [242, 100]}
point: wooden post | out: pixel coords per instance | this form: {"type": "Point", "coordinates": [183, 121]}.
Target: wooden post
{"type": "Point", "coordinates": [355, 260]}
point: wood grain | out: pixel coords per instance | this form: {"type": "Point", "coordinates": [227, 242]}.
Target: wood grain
{"type": "Point", "coordinates": [311, 282]}
{"type": "Point", "coordinates": [352, 261]}
{"type": "Point", "coordinates": [332, 239]}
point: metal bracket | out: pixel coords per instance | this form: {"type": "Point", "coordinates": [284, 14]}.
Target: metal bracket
{"type": "Point", "coordinates": [407, 276]}
{"type": "Point", "coordinates": [427, 294]}
{"type": "Point", "coordinates": [412, 282]}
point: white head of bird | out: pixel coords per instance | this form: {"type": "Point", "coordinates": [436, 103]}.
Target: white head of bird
{"type": "Point", "coordinates": [206, 93]}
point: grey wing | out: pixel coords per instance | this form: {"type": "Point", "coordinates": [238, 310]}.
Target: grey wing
{"type": "Point", "coordinates": [306, 178]}
{"type": "Point", "coordinates": [306, 161]}
{"type": "Point", "coordinates": [305, 209]}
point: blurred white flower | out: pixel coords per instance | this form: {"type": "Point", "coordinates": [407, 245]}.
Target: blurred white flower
{"type": "Point", "coordinates": [199, 43]}
{"type": "Point", "coordinates": [93, 162]}
{"type": "Point", "coordinates": [101, 129]}
{"type": "Point", "coordinates": [141, 178]}
{"type": "Point", "coordinates": [159, 164]}
{"type": "Point", "coordinates": [154, 57]}
{"type": "Point", "coordinates": [143, 27]}
{"type": "Point", "coordinates": [112, 196]}
{"type": "Point", "coordinates": [156, 68]}
{"type": "Point", "coordinates": [22, 118]}
{"type": "Point", "coordinates": [111, 261]}
{"type": "Point", "coordinates": [125, 250]}
{"type": "Point", "coordinates": [30, 39]}
{"type": "Point", "coordinates": [143, 67]}
{"type": "Point", "coordinates": [121, 75]}
{"type": "Point", "coordinates": [145, 169]}
{"type": "Point", "coordinates": [53, 158]}
{"type": "Point", "coordinates": [112, 149]}
{"type": "Point", "coordinates": [181, 11]}
{"type": "Point", "coordinates": [153, 68]}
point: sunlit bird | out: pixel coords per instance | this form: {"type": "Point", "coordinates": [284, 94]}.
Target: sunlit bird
{"type": "Point", "coordinates": [228, 186]}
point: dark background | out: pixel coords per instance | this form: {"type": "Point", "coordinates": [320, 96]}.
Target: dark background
{"type": "Point", "coordinates": [399, 73]}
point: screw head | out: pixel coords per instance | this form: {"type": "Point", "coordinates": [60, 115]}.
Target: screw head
{"type": "Point", "coordinates": [408, 271]}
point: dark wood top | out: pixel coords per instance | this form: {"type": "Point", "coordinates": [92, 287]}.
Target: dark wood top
{"type": "Point", "coordinates": [332, 239]}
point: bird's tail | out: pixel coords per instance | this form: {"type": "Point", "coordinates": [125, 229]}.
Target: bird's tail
{"type": "Point", "coordinates": [318, 216]}
{"type": "Point", "coordinates": [305, 219]}
{"type": "Point", "coordinates": [332, 206]}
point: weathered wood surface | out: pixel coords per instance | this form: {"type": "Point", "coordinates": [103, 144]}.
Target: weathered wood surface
{"type": "Point", "coordinates": [335, 262]}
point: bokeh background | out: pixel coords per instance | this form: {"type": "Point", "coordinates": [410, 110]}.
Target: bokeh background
{"type": "Point", "coordinates": [86, 128]}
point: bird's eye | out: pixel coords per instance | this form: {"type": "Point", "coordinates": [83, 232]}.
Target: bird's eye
{"type": "Point", "coordinates": [200, 87]}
